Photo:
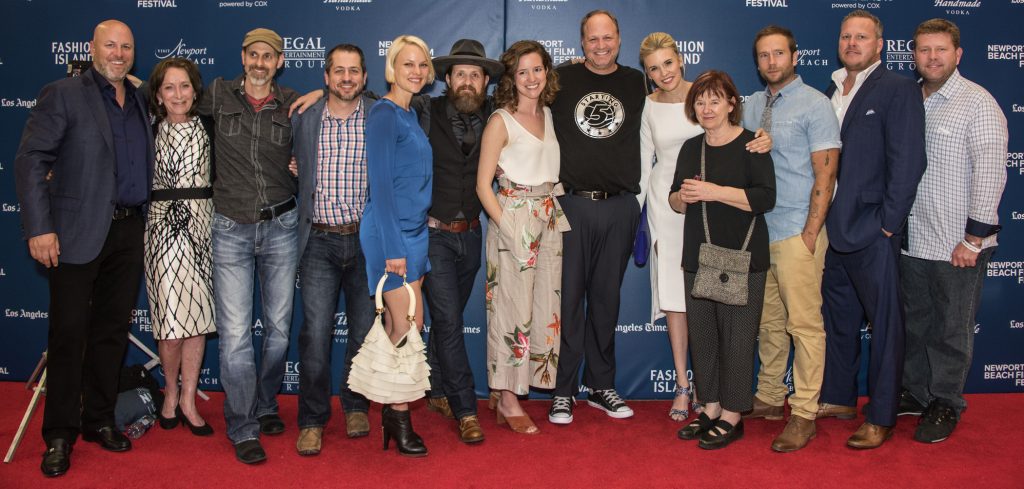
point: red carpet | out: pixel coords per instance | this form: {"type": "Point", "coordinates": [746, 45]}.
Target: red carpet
{"type": "Point", "coordinates": [986, 451]}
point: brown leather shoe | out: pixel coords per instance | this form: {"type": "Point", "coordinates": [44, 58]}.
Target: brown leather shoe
{"type": "Point", "coordinates": [356, 425]}
{"type": "Point", "coordinates": [440, 406]}
{"type": "Point", "coordinates": [469, 429]}
{"type": "Point", "coordinates": [869, 436]}
{"type": "Point", "coordinates": [826, 410]}
{"type": "Point", "coordinates": [309, 441]}
{"type": "Point", "coordinates": [798, 432]}
{"type": "Point", "coordinates": [764, 410]}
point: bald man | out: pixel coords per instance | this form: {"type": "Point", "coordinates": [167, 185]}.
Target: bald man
{"type": "Point", "coordinates": [84, 224]}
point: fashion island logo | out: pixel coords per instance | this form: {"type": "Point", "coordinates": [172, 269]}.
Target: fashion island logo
{"type": "Point", "coordinates": [810, 57]}
{"type": "Point", "coordinates": [899, 55]}
{"type": "Point", "coordinates": [665, 381]}
{"type": "Point", "coordinates": [291, 377]}
{"type": "Point", "coordinates": [559, 51]}
{"type": "Point", "coordinates": [1013, 53]}
{"type": "Point", "coordinates": [67, 51]}
{"type": "Point", "coordinates": [382, 48]}
{"type": "Point", "coordinates": [1011, 372]}
{"type": "Point", "coordinates": [599, 115]}
{"type": "Point", "coordinates": [199, 56]}
{"type": "Point", "coordinates": [157, 4]}
{"type": "Point", "coordinates": [1013, 270]}
{"type": "Point", "coordinates": [303, 52]}
{"type": "Point", "coordinates": [691, 51]}
{"type": "Point", "coordinates": [347, 5]}
{"type": "Point", "coordinates": [25, 314]}
{"type": "Point", "coordinates": [543, 4]}
{"type": "Point", "coordinates": [1015, 161]}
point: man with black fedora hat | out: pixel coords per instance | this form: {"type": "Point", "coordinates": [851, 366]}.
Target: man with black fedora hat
{"type": "Point", "coordinates": [454, 123]}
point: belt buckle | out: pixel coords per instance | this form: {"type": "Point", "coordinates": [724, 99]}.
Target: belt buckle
{"type": "Point", "coordinates": [458, 226]}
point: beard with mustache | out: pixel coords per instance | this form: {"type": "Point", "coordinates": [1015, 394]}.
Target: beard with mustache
{"type": "Point", "coordinates": [466, 99]}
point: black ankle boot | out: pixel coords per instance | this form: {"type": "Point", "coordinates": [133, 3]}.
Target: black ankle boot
{"type": "Point", "coordinates": [398, 425]}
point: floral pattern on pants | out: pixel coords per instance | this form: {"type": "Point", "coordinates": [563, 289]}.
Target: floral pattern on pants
{"type": "Point", "coordinates": [523, 296]}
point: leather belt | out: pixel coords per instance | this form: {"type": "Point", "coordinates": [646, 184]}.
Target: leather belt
{"type": "Point", "coordinates": [342, 229]}
{"type": "Point", "coordinates": [456, 226]}
{"type": "Point", "coordinates": [181, 194]}
{"type": "Point", "coordinates": [591, 194]}
{"type": "Point", "coordinates": [126, 212]}
{"type": "Point", "coordinates": [272, 212]}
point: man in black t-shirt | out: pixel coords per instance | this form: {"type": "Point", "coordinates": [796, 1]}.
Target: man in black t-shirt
{"type": "Point", "coordinates": [597, 121]}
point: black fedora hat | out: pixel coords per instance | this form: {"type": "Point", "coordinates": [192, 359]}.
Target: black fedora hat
{"type": "Point", "coordinates": [469, 52]}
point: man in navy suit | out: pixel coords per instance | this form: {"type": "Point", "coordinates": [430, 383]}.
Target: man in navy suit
{"type": "Point", "coordinates": [83, 172]}
{"type": "Point", "coordinates": [880, 164]}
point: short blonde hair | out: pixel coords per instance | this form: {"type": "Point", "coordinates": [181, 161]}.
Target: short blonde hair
{"type": "Point", "coordinates": [397, 45]}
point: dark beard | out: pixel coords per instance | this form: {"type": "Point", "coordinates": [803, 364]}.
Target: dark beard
{"type": "Point", "coordinates": [467, 101]}
{"type": "Point", "coordinates": [337, 93]}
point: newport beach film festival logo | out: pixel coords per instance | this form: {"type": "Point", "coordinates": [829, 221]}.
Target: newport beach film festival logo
{"type": "Point", "coordinates": [1015, 162]}
{"type": "Point", "coordinates": [199, 56]}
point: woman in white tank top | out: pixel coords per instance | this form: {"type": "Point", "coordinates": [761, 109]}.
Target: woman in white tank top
{"type": "Point", "coordinates": [524, 241]}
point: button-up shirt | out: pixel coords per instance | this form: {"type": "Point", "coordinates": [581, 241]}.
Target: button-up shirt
{"type": "Point", "coordinates": [802, 123]}
{"type": "Point", "coordinates": [341, 168]}
{"type": "Point", "coordinates": [841, 102]}
{"type": "Point", "coordinates": [965, 139]}
{"type": "Point", "coordinates": [130, 130]}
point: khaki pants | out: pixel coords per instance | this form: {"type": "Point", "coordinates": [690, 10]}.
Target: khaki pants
{"type": "Point", "coordinates": [792, 309]}
{"type": "Point", "coordinates": [524, 278]}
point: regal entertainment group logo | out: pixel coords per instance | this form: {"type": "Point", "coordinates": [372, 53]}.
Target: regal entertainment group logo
{"type": "Point", "coordinates": [198, 56]}
{"type": "Point", "coordinates": [899, 55]}
{"type": "Point", "coordinates": [67, 51]}
{"type": "Point", "coordinates": [291, 377]}
{"type": "Point", "coordinates": [303, 52]}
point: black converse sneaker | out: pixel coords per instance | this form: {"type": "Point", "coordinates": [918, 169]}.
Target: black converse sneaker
{"type": "Point", "coordinates": [561, 410]}
{"type": "Point", "coordinates": [609, 401]}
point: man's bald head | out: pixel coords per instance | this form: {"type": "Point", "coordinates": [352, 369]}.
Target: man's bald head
{"type": "Point", "coordinates": [113, 50]}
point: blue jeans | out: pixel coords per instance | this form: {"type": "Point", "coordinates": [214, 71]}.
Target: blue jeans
{"type": "Point", "coordinates": [454, 261]}
{"type": "Point", "coordinates": [240, 251]}
{"type": "Point", "coordinates": [941, 302]}
{"type": "Point", "coordinates": [330, 264]}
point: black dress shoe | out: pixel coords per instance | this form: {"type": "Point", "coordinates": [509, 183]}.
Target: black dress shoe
{"type": "Point", "coordinates": [721, 435]}
{"type": "Point", "coordinates": [204, 430]}
{"type": "Point", "coordinates": [696, 428]}
{"type": "Point", "coordinates": [56, 458]}
{"type": "Point", "coordinates": [108, 438]}
{"type": "Point", "coordinates": [271, 424]}
{"type": "Point", "coordinates": [250, 452]}
{"type": "Point", "coordinates": [166, 423]}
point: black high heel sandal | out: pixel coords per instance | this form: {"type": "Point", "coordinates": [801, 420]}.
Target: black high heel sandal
{"type": "Point", "coordinates": [398, 425]}
{"type": "Point", "coordinates": [204, 430]}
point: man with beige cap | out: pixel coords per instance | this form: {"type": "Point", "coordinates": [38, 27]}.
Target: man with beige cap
{"type": "Point", "coordinates": [254, 231]}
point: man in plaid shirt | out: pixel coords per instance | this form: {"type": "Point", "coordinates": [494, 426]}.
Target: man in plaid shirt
{"type": "Point", "coordinates": [951, 231]}
{"type": "Point", "coordinates": [331, 158]}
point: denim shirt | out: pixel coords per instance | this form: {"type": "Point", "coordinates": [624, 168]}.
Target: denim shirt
{"type": "Point", "coordinates": [802, 122]}
{"type": "Point", "coordinates": [252, 149]}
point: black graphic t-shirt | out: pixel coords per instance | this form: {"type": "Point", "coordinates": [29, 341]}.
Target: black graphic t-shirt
{"type": "Point", "coordinates": [597, 121]}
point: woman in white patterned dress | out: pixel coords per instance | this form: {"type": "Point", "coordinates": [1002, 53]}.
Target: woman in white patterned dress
{"type": "Point", "coordinates": [177, 241]}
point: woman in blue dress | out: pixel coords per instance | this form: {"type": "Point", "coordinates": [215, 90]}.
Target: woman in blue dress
{"type": "Point", "coordinates": [393, 231]}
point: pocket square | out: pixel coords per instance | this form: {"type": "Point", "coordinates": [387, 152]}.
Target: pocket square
{"type": "Point", "coordinates": [870, 112]}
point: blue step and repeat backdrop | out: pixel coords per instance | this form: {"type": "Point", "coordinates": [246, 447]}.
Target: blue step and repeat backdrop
{"type": "Point", "coordinates": [39, 37]}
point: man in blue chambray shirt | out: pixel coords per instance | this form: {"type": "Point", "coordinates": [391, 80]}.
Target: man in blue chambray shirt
{"type": "Point", "coordinates": [805, 132]}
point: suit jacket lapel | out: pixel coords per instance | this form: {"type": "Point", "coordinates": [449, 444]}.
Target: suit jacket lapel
{"type": "Point", "coordinates": [94, 99]}
{"type": "Point", "coordinates": [312, 132]}
{"type": "Point", "coordinates": [858, 100]}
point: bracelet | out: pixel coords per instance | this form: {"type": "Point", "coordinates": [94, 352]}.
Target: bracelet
{"type": "Point", "coordinates": [970, 246]}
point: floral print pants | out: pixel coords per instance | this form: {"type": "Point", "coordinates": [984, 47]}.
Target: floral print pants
{"type": "Point", "coordinates": [524, 278]}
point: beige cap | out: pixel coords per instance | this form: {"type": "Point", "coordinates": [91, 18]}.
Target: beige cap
{"type": "Point", "coordinates": [264, 35]}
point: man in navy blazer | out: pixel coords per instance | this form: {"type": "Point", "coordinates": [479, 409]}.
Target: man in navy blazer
{"type": "Point", "coordinates": [880, 164]}
{"type": "Point", "coordinates": [83, 172]}
{"type": "Point", "coordinates": [330, 152]}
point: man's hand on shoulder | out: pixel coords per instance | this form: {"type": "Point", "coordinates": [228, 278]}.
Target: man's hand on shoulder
{"type": "Point", "coordinates": [45, 249]}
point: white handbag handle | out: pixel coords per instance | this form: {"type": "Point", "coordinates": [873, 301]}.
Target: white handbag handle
{"type": "Point", "coordinates": [379, 298]}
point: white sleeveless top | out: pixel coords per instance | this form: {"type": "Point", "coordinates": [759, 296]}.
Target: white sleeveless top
{"type": "Point", "coordinates": [527, 160]}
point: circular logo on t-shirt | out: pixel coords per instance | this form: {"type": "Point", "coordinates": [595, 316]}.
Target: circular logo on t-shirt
{"type": "Point", "coordinates": [599, 115]}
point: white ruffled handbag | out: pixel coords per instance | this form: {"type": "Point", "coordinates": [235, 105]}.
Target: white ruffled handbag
{"type": "Point", "coordinates": [389, 373]}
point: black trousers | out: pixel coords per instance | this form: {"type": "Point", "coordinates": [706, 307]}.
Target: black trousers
{"type": "Point", "coordinates": [90, 317]}
{"type": "Point", "coordinates": [595, 254]}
